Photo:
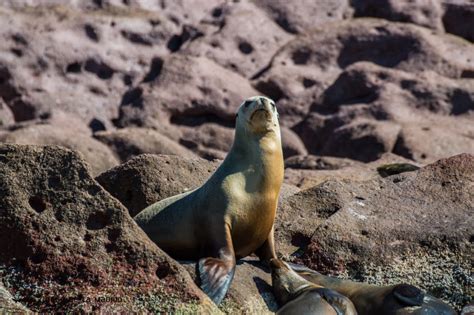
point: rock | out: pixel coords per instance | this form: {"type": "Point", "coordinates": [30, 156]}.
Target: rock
{"type": "Point", "coordinates": [302, 69]}
{"type": "Point", "coordinates": [336, 168]}
{"type": "Point", "coordinates": [422, 12]}
{"type": "Point", "coordinates": [457, 19]}
{"type": "Point", "coordinates": [209, 140]}
{"type": "Point", "coordinates": [204, 95]}
{"type": "Point", "coordinates": [6, 116]}
{"type": "Point", "coordinates": [8, 304]}
{"type": "Point", "coordinates": [250, 291]}
{"type": "Point", "coordinates": [291, 143]}
{"type": "Point", "coordinates": [98, 155]}
{"type": "Point", "coordinates": [61, 232]}
{"type": "Point", "coordinates": [58, 58]}
{"type": "Point", "coordinates": [362, 140]}
{"type": "Point", "coordinates": [313, 162]}
{"type": "Point", "coordinates": [437, 139]}
{"type": "Point", "coordinates": [414, 227]}
{"type": "Point", "coordinates": [370, 110]}
{"type": "Point", "coordinates": [302, 16]}
{"type": "Point", "coordinates": [233, 41]}
{"type": "Point", "coordinates": [130, 142]}
{"type": "Point", "coordinates": [148, 178]}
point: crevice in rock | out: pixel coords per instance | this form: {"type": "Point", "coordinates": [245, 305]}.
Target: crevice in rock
{"type": "Point", "coordinates": [155, 69]}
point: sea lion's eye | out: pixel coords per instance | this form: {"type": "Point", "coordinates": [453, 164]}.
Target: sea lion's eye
{"type": "Point", "coordinates": [247, 103]}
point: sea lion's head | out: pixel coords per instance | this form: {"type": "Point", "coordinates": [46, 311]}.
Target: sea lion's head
{"type": "Point", "coordinates": [258, 115]}
{"type": "Point", "coordinates": [286, 283]}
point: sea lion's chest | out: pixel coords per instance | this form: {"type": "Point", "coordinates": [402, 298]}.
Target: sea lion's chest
{"type": "Point", "coordinates": [251, 209]}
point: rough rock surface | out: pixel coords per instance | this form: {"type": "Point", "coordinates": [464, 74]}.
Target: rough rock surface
{"type": "Point", "coordinates": [130, 142]}
{"type": "Point", "coordinates": [415, 227]}
{"type": "Point", "coordinates": [98, 155]}
{"type": "Point", "coordinates": [422, 12]}
{"type": "Point", "coordinates": [309, 171]}
{"type": "Point", "coordinates": [370, 110]}
{"type": "Point", "coordinates": [148, 178]}
{"type": "Point", "coordinates": [355, 81]}
{"type": "Point", "coordinates": [301, 16]}
{"type": "Point", "coordinates": [67, 244]}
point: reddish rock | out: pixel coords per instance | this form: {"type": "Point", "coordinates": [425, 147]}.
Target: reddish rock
{"type": "Point", "coordinates": [302, 16]}
{"type": "Point", "coordinates": [148, 178]}
{"type": "Point", "coordinates": [306, 66]}
{"type": "Point", "coordinates": [97, 154]}
{"type": "Point", "coordinates": [291, 143]}
{"type": "Point", "coordinates": [426, 13]}
{"type": "Point", "coordinates": [309, 171]}
{"type": "Point", "coordinates": [233, 41]}
{"type": "Point", "coordinates": [130, 142]}
{"type": "Point", "coordinates": [66, 243]}
{"type": "Point", "coordinates": [370, 110]}
{"type": "Point", "coordinates": [209, 140]}
{"type": "Point", "coordinates": [413, 227]}
{"type": "Point", "coordinates": [6, 116]}
{"type": "Point", "coordinates": [458, 17]}
{"type": "Point", "coordinates": [203, 89]}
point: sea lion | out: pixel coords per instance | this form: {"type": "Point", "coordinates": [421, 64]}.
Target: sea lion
{"type": "Point", "coordinates": [300, 296]}
{"type": "Point", "coordinates": [231, 215]}
{"type": "Point", "coordinates": [400, 299]}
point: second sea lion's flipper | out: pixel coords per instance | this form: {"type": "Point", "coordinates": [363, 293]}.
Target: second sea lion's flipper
{"type": "Point", "coordinates": [216, 275]}
{"type": "Point", "coordinates": [301, 268]}
{"type": "Point", "coordinates": [341, 304]}
{"type": "Point", "coordinates": [408, 294]}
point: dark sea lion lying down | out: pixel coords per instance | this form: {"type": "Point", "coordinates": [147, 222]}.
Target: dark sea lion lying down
{"type": "Point", "coordinates": [400, 299]}
{"type": "Point", "coordinates": [298, 296]}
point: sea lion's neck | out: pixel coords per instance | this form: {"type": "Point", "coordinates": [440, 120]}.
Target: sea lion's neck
{"type": "Point", "coordinates": [263, 153]}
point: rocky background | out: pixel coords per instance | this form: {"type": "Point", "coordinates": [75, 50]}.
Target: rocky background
{"type": "Point", "coordinates": [359, 84]}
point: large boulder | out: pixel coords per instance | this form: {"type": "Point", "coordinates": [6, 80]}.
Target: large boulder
{"type": "Point", "coordinates": [67, 244]}
{"type": "Point", "coordinates": [97, 154]}
{"type": "Point", "coordinates": [298, 17]}
{"type": "Point", "coordinates": [233, 41]}
{"type": "Point", "coordinates": [308, 171]}
{"type": "Point", "coordinates": [186, 91]}
{"type": "Point", "coordinates": [425, 13]}
{"type": "Point", "coordinates": [306, 66]}
{"type": "Point", "coordinates": [413, 227]}
{"type": "Point", "coordinates": [149, 178]}
{"type": "Point", "coordinates": [130, 142]}
{"type": "Point", "coordinates": [458, 17]}
{"type": "Point", "coordinates": [57, 57]}
{"type": "Point", "coordinates": [370, 110]}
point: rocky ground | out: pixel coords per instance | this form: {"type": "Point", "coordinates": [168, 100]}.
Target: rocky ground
{"type": "Point", "coordinates": [359, 84]}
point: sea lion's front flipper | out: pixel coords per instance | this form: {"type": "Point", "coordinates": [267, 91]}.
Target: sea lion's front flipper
{"type": "Point", "coordinates": [341, 304]}
{"type": "Point", "coordinates": [216, 273]}
{"type": "Point", "coordinates": [267, 250]}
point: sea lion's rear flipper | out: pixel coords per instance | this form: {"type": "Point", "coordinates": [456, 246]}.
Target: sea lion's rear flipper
{"type": "Point", "coordinates": [408, 295]}
{"type": "Point", "coordinates": [216, 275]}
{"type": "Point", "coordinates": [341, 304]}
